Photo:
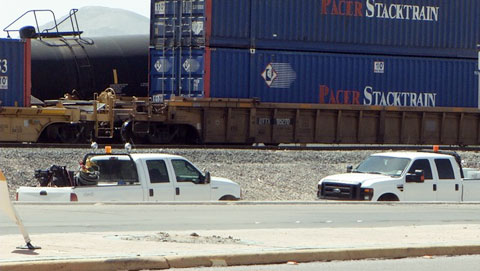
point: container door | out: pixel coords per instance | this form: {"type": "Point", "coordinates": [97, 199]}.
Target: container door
{"type": "Point", "coordinates": [192, 23]}
{"type": "Point", "coordinates": [448, 186]}
{"type": "Point", "coordinates": [164, 23]}
{"type": "Point", "coordinates": [190, 183]}
{"type": "Point", "coordinates": [163, 74]}
{"type": "Point", "coordinates": [160, 187]}
{"type": "Point", "coordinates": [164, 41]}
{"type": "Point", "coordinates": [192, 72]}
{"type": "Point", "coordinates": [424, 191]}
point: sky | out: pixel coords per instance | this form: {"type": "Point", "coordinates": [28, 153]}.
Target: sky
{"type": "Point", "coordinates": [12, 9]}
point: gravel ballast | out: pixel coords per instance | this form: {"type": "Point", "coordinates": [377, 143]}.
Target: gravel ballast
{"type": "Point", "coordinates": [263, 175]}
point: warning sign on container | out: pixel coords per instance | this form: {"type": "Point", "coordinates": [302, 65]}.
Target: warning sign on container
{"type": "Point", "coordinates": [3, 82]}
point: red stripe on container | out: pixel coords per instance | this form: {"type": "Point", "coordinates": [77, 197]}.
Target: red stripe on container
{"type": "Point", "coordinates": [27, 72]}
{"type": "Point", "coordinates": [206, 81]}
{"type": "Point", "coordinates": [208, 21]}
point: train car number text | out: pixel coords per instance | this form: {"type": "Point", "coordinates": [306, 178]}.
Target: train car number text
{"type": "Point", "coordinates": [3, 66]}
{"type": "Point", "coordinates": [282, 122]}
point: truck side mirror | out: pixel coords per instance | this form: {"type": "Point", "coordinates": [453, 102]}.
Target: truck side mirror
{"type": "Point", "coordinates": [417, 177]}
{"type": "Point", "coordinates": [207, 177]}
{"type": "Point", "coordinates": [349, 168]}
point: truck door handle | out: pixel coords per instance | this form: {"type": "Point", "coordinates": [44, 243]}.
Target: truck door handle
{"type": "Point", "coordinates": [177, 191]}
{"type": "Point", "coordinates": [151, 192]}
{"type": "Point", "coordinates": [456, 187]}
{"type": "Point", "coordinates": [434, 187]}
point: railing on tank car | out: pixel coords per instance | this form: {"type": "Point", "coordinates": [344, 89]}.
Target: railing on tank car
{"type": "Point", "coordinates": [54, 31]}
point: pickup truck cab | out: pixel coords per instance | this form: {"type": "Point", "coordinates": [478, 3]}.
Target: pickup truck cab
{"type": "Point", "coordinates": [138, 177]}
{"type": "Point", "coordinates": [404, 176]}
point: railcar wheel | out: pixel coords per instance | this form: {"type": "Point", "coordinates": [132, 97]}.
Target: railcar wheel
{"type": "Point", "coordinates": [66, 133]}
{"type": "Point", "coordinates": [271, 144]}
{"type": "Point", "coordinates": [161, 134]}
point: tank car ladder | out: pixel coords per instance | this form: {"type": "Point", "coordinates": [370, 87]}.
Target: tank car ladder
{"type": "Point", "coordinates": [84, 69]}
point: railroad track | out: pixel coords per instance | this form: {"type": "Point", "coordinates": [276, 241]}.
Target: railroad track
{"type": "Point", "coordinates": [291, 147]}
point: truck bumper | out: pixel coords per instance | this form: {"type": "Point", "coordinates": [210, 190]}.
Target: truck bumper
{"type": "Point", "coordinates": [340, 191]}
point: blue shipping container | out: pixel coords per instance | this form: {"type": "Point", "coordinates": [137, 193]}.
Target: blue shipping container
{"type": "Point", "coordinates": [177, 71]}
{"type": "Point", "coordinates": [318, 78]}
{"type": "Point", "coordinates": [12, 65]}
{"type": "Point", "coordinates": [406, 27]}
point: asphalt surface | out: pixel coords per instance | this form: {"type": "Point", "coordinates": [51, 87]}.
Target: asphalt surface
{"type": "Point", "coordinates": [59, 218]}
{"type": "Point", "coordinates": [447, 229]}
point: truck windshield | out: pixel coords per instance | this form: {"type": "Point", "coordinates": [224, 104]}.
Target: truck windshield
{"type": "Point", "coordinates": [392, 166]}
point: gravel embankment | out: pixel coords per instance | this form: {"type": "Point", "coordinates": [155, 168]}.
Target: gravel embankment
{"type": "Point", "coordinates": [263, 175]}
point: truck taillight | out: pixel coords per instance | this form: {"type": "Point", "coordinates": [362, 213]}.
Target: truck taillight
{"type": "Point", "coordinates": [73, 197]}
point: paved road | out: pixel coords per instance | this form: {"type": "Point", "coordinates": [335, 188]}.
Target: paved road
{"type": "Point", "coordinates": [100, 217]}
{"type": "Point", "coordinates": [464, 263]}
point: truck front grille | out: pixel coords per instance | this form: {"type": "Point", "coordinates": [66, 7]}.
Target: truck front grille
{"type": "Point", "coordinates": [339, 191]}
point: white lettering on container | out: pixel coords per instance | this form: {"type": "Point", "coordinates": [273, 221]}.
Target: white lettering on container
{"type": "Point", "coordinates": [394, 98]}
{"type": "Point", "coordinates": [3, 66]}
{"type": "Point", "coordinates": [375, 9]}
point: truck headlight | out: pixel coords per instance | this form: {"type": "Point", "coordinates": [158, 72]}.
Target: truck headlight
{"type": "Point", "coordinates": [367, 193]}
{"type": "Point", "coordinates": [319, 190]}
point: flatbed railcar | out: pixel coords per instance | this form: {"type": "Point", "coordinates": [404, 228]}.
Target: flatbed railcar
{"type": "Point", "coordinates": [236, 121]}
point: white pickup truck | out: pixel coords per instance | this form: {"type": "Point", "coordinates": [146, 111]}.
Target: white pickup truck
{"type": "Point", "coordinates": [137, 177]}
{"type": "Point", "coordinates": [404, 176]}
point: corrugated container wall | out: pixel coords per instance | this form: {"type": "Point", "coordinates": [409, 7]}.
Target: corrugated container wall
{"type": "Point", "coordinates": [12, 73]}
{"type": "Point", "coordinates": [447, 28]}
{"type": "Point", "coordinates": [306, 77]}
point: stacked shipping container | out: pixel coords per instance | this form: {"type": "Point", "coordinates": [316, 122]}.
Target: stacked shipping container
{"type": "Point", "coordinates": [14, 73]}
{"type": "Point", "coordinates": [370, 52]}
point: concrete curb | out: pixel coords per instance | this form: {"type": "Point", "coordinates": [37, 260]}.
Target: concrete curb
{"type": "Point", "coordinates": [166, 262]}
{"type": "Point", "coordinates": [89, 264]}
{"type": "Point", "coordinates": [241, 202]}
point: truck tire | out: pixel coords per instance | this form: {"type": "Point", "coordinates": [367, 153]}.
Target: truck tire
{"type": "Point", "coordinates": [388, 197]}
{"type": "Point", "coordinates": [86, 178]}
{"type": "Point", "coordinates": [228, 197]}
